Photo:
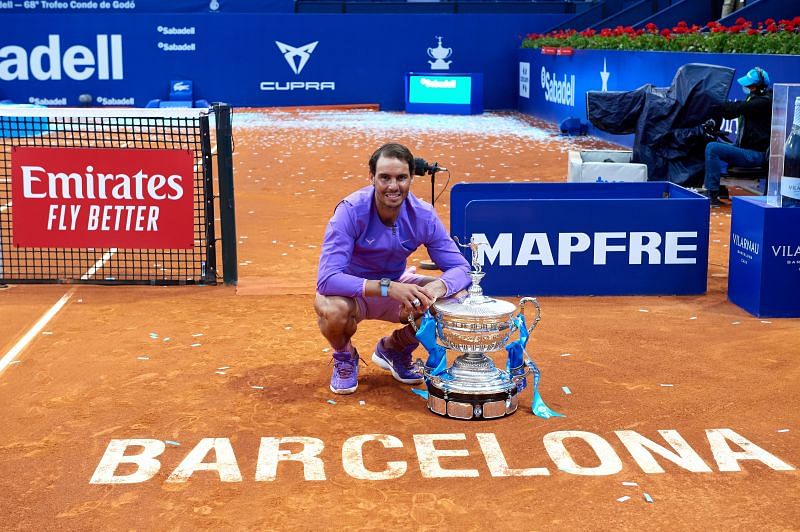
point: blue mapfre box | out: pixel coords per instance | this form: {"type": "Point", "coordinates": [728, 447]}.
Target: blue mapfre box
{"type": "Point", "coordinates": [457, 94]}
{"type": "Point", "coordinates": [764, 265]}
{"type": "Point", "coordinates": [585, 238]}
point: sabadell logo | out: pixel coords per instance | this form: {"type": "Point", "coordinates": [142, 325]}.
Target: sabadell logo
{"type": "Point", "coordinates": [52, 61]}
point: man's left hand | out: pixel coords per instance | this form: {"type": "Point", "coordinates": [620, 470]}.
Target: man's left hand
{"type": "Point", "coordinates": [434, 290]}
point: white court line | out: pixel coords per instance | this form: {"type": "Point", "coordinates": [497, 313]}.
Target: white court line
{"type": "Point", "coordinates": [36, 329]}
{"type": "Point", "coordinates": [9, 357]}
{"type": "Point", "coordinates": [99, 264]}
{"type": "Point", "coordinates": [31, 334]}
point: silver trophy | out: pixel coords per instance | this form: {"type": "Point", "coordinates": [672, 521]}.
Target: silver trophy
{"type": "Point", "coordinates": [474, 324]}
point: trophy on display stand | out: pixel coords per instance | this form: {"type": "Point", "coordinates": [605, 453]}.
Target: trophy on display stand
{"type": "Point", "coordinates": [473, 324]}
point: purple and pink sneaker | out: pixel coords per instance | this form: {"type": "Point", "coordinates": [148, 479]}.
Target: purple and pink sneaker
{"type": "Point", "coordinates": [398, 362]}
{"type": "Point", "coordinates": [344, 379]}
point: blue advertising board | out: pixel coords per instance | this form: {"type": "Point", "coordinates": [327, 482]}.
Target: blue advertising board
{"type": "Point", "coordinates": [255, 60]}
{"type": "Point", "coordinates": [764, 265]}
{"type": "Point", "coordinates": [553, 87]}
{"type": "Point", "coordinates": [145, 6]}
{"type": "Point", "coordinates": [585, 238]}
{"type": "Point", "coordinates": [459, 94]}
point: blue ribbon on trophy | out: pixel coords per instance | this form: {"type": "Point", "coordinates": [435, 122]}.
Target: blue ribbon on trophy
{"type": "Point", "coordinates": [518, 358]}
{"type": "Point", "coordinates": [437, 355]}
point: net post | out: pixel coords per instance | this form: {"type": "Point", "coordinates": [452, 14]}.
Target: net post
{"type": "Point", "coordinates": [208, 269]}
{"type": "Point", "coordinates": [227, 207]}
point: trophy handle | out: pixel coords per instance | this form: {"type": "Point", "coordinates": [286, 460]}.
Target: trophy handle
{"type": "Point", "coordinates": [412, 322]}
{"type": "Point", "coordinates": [538, 311]}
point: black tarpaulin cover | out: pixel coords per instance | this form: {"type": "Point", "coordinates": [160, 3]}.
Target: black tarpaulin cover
{"type": "Point", "coordinates": [666, 121]}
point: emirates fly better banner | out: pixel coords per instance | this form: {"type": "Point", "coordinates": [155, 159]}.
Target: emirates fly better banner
{"type": "Point", "coordinates": [93, 197]}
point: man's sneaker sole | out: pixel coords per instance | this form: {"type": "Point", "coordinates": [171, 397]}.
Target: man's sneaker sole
{"type": "Point", "coordinates": [344, 391]}
{"type": "Point", "coordinates": [381, 362]}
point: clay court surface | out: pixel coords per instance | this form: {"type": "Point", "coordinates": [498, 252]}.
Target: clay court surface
{"type": "Point", "coordinates": [95, 373]}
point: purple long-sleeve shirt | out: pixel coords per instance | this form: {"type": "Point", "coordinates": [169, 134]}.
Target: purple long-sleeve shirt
{"type": "Point", "coordinates": [357, 246]}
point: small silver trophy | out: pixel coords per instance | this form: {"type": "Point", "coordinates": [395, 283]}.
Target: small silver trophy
{"type": "Point", "coordinates": [474, 324]}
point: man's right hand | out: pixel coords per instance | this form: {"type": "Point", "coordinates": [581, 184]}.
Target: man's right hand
{"type": "Point", "coordinates": [411, 296]}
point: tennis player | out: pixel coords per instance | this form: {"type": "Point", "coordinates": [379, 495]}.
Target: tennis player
{"type": "Point", "coordinates": [362, 271]}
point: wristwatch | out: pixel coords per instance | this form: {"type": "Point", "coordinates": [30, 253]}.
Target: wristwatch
{"type": "Point", "coordinates": [385, 286]}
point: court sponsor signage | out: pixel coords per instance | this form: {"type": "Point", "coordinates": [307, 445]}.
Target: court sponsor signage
{"type": "Point", "coordinates": [78, 62]}
{"type": "Point", "coordinates": [297, 57]}
{"type": "Point", "coordinates": [364, 457]}
{"type": "Point", "coordinates": [764, 258]}
{"type": "Point", "coordinates": [99, 197]}
{"type": "Point", "coordinates": [585, 238]}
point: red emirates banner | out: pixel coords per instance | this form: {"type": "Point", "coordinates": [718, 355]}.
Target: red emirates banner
{"type": "Point", "coordinates": [102, 198]}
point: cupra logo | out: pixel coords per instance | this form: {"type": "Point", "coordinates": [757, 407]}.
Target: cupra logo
{"type": "Point", "coordinates": [297, 57]}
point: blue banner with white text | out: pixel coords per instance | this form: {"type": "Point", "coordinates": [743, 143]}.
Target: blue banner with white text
{"type": "Point", "coordinates": [254, 60]}
{"type": "Point", "coordinates": [585, 238]}
{"type": "Point", "coordinates": [145, 6]}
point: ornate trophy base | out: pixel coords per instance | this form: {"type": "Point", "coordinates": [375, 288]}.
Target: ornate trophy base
{"type": "Point", "coordinates": [473, 388]}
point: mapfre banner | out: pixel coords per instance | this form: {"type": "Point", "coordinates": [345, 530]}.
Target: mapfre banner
{"type": "Point", "coordinates": [98, 197]}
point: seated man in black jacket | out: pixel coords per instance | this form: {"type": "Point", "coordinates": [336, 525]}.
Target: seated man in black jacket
{"type": "Point", "coordinates": [754, 115]}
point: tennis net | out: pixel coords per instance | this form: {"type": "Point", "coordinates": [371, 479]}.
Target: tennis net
{"type": "Point", "coordinates": [109, 196]}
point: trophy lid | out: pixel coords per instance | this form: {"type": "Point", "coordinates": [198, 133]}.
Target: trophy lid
{"type": "Point", "coordinates": [474, 304]}
{"type": "Point", "coordinates": [466, 307]}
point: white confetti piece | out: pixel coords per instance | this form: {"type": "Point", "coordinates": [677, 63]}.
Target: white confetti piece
{"type": "Point", "coordinates": [735, 322]}
{"type": "Point", "coordinates": [196, 345]}
{"type": "Point", "coordinates": [643, 310]}
{"type": "Point", "coordinates": [143, 358]}
{"type": "Point", "coordinates": [782, 430]}
{"type": "Point", "coordinates": [197, 334]}
{"type": "Point", "coordinates": [80, 301]}
{"type": "Point", "coordinates": [566, 354]}
{"type": "Point", "coordinates": [623, 498]}
{"type": "Point", "coordinates": [566, 390]}
{"type": "Point", "coordinates": [765, 321]}
{"type": "Point", "coordinates": [667, 385]}
{"type": "Point", "coordinates": [220, 373]}
{"type": "Point", "coordinates": [331, 402]}
{"type": "Point", "coordinates": [288, 327]}
{"type": "Point", "coordinates": [257, 387]}
{"type": "Point", "coordinates": [326, 349]}
{"type": "Point", "coordinates": [167, 339]}
{"type": "Point", "coordinates": [647, 497]}
{"type": "Point", "coordinates": [18, 361]}
{"type": "Point", "coordinates": [170, 442]}
{"type": "Point", "coordinates": [630, 484]}
{"type": "Point", "coordinates": [48, 333]}
{"type": "Point", "coordinates": [362, 403]}
{"type": "Point", "coordinates": [223, 368]}
{"type": "Point", "coordinates": [693, 318]}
